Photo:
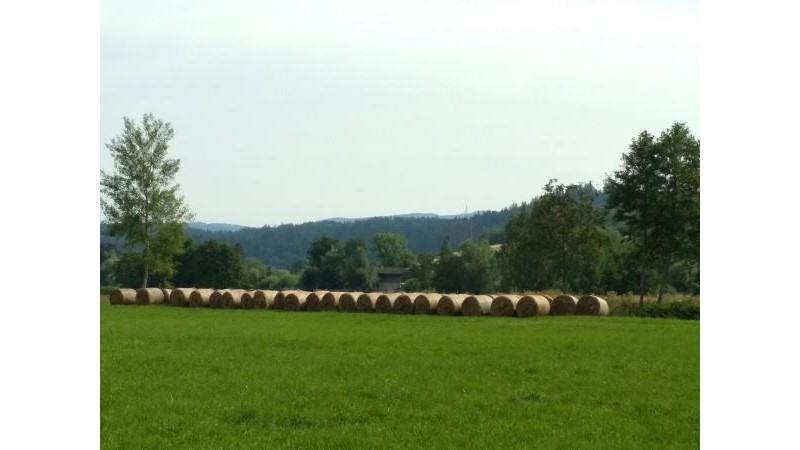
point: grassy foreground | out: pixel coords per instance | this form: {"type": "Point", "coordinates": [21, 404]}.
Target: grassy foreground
{"type": "Point", "coordinates": [206, 378]}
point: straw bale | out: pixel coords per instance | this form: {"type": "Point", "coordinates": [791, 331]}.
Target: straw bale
{"type": "Point", "coordinates": [149, 296]}
{"type": "Point", "coordinates": [123, 297]}
{"type": "Point", "coordinates": [280, 299]}
{"type": "Point", "coordinates": [366, 302]}
{"type": "Point", "coordinates": [264, 299]}
{"type": "Point", "coordinates": [385, 302]}
{"type": "Point", "coordinates": [233, 298]}
{"type": "Point", "coordinates": [504, 305]}
{"type": "Point", "coordinates": [314, 299]}
{"type": "Point", "coordinates": [347, 302]}
{"type": "Point", "coordinates": [248, 300]}
{"type": "Point", "coordinates": [200, 297]}
{"type": "Point", "coordinates": [533, 305]}
{"type": "Point", "coordinates": [180, 296]}
{"type": "Point", "coordinates": [330, 301]}
{"type": "Point", "coordinates": [450, 304]}
{"type": "Point", "coordinates": [426, 303]}
{"type": "Point", "coordinates": [215, 301]}
{"type": "Point", "coordinates": [476, 305]}
{"type": "Point", "coordinates": [592, 305]}
{"type": "Point", "coordinates": [563, 304]}
{"type": "Point", "coordinates": [296, 301]}
{"type": "Point", "coordinates": [405, 303]}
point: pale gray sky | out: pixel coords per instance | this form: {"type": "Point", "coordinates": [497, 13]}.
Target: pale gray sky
{"type": "Point", "coordinates": [303, 110]}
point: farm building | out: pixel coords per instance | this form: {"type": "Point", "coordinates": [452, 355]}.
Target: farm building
{"type": "Point", "coordinates": [391, 279]}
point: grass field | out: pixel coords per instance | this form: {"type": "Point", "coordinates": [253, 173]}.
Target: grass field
{"type": "Point", "coordinates": [208, 378]}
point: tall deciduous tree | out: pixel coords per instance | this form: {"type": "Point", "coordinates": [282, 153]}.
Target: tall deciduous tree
{"type": "Point", "coordinates": [392, 250]}
{"type": "Point", "coordinates": [212, 264]}
{"type": "Point", "coordinates": [558, 242]}
{"type": "Point", "coordinates": [656, 194]}
{"type": "Point", "coordinates": [139, 200]}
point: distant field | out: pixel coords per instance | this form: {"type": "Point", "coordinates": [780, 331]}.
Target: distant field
{"type": "Point", "coordinates": [209, 378]}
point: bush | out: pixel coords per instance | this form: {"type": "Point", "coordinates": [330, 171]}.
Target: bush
{"type": "Point", "coordinates": [683, 309]}
{"type": "Point", "coordinates": [106, 290]}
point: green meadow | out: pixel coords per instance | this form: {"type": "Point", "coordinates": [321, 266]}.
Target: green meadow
{"type": "Point", "coordinates": [201, 378]}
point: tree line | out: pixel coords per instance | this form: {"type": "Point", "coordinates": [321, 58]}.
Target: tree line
{"type": "Point", "coordinates": [639, 234]}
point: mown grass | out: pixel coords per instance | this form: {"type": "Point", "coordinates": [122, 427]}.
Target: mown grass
{"type": "Point", "coordinates": [205, 378]}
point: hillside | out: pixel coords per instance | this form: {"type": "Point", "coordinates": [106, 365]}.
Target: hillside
{"type": "Point", "coordinates": [283, 245]}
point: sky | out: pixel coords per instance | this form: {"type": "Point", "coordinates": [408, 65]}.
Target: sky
{"type": "Point", "coordinates": [287, 112]}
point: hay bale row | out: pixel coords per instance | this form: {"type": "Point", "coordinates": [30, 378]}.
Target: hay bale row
{"type": "Point", "coordinates": [397, 303]}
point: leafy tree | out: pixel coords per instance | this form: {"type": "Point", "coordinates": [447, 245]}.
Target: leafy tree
{"type": "Point", "coordinates": [392, 250]}
{"type": "Point", "coordinates": [656, 194]}
{"type": "Point", "coordinates": [280, 280]}
{"type": "Point", "coordinates": [108, 258]}
{"type": "Point", "coordinates": [422, 275]}
{"type": "Point", "coordinates": [211, 264]}
{"type": "Point", "coordinates": [449, 270]}
{"type": "Point", "coordinates": [325, 263]}
{"type": "Point", "coordinates": [479, 267]}
{"type": "Point", "coordinates": [333, 266]}
{"type": "Point", "coordinates": [557, 241]}
{"type": "Point", "coordinates": [139, 200]}
{"type": "Point", "coordinates": [127, 271]}
{"type": "Point", "coordinates": [358, 272]}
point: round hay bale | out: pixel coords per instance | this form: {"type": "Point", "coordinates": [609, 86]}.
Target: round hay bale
{"type": "Point", "coordinates": [233, 298]}
{"type": "Point", "coordinates": [476, 305]}
{"type": "Point", "coordinates": [347, 302]}
{"type": "Point", "coordinates": [122, 297]}
{"type": "Point", "coordinates": [426, 303]}
{"type": "Point", "coordinates": [296, 301]}
{"type": "Point", "coordinates": [280, 299]}
{"type": "Point", "coordinates": [314, 299]}
{"type": "Point", "coordinates": [405, 303]}
{"type": "Point", "coordinates": [385, 302]}
{"type": "Point", "coordinates": [248, 300]}
{"type": "Point", "coordinates": [504, 305]}
{"type": "Point", "coordinates": [592, 305]}
{"type": "Point", "coordinates": [366, 301]}
{"type": "Point", "coordinates": [533, 305]}
{"type": "Point", "coordinates": [180, 296]}
{"type": "Point", "coordinates": [215, 301]}
{"type": "Point", "coordinates": [200, 297]}
{"type": "Point", "coordinates": [149, 296]}
{"type": "Point", "coordinates": [264, 299]}
{"type": "Point", "coordinates": [450, 304]}
{"type": "Point", "coordinates": [563, 304]}
{"type": "Point", "coordinates": [330, 301]}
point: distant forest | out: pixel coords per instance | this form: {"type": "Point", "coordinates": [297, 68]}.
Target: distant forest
{"type": "Point", "coordinates": [283, 246]}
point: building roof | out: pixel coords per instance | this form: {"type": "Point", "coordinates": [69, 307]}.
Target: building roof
{"type": "Point", "coordinates": [393, 271]}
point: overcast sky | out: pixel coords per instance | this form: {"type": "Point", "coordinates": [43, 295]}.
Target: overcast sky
{"type": "Point", "coordinates": [286, 112]}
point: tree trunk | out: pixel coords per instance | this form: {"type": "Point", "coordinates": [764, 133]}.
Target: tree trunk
{"type": "Point", "coordinates": [144, 262]}
{"type": "Point", "coordinates": [664, 273]}
{"type": "Point", "coordinates": [144, 282]}
{"type": "Point", "coordinates": [641, 286]}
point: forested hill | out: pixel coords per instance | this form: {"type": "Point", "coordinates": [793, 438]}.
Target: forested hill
{"type": "Point", "coordinates": [283, 245]}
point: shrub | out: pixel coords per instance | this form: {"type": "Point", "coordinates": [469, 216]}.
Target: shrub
{"type": "Point", "coordinates": [106, 290]}
{"type": "Point", "coordinates": [684, 309]}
